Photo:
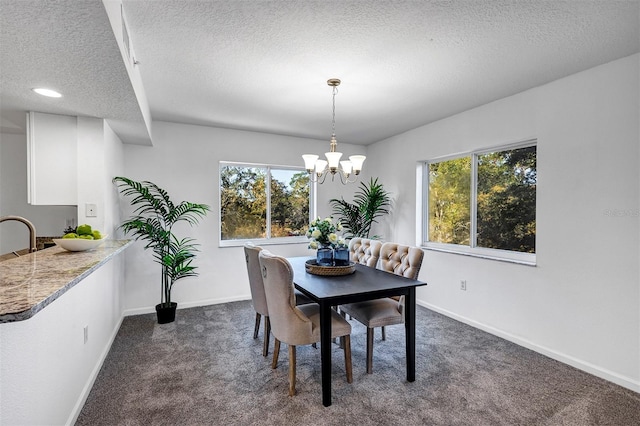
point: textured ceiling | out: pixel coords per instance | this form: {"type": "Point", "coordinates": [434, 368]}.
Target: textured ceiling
{"type": "Point", "coordinates": [263, 65]}
{"type": "Point", "coordinates": [69, 46]}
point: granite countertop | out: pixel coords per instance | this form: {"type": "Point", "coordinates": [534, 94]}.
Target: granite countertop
{"type": "Point", "coordinates": [29, 283]}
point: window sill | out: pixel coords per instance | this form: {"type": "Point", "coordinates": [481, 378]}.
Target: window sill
{"type": "Point", "coordinates": [263, 241]}
{"type": "Point", "coordinates": [526, 259]}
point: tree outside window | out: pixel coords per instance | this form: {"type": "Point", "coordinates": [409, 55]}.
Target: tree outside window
{"type": "Point", "coordinates": [262, 202]}
{"type": "Point", "coordinates": [484, 200]}
{"type": "Point", "coordinates": [449, 201]}
{"type": "Point", "coordinates": [507, 200]}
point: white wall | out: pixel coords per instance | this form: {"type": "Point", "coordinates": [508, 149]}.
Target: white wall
{"type": "Point", "coordinates": [101, 158]}
{"type": "Point", "coordinates": [47, 370]}
{"type": "Point", "coordinates": [581, 303]}
{"type": "Point", "coordinates": [185, 161]}
{"type": "Point", "coordinates": [91, 169]}
{"type": "Point", "coordinates": [113, 160]}
{"type": "Point", "coordinates": [44, 360]}
{"type": "Point", "coordinates": [48, 220]}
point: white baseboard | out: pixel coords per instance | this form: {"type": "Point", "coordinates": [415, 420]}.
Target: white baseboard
{"type": "Point", "coordinates": [603, 373]}
{"type": "Point", "coordinates": [185, 305]}
{"type": "Point", "coordinates": [94, 374]}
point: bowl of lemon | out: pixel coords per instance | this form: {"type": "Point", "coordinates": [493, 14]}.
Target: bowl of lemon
{"type": "Point", "coordinates": [84, 238]}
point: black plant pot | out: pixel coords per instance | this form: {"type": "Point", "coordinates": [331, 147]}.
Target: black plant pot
{"type": "Point", "coordinates": [166, 314]}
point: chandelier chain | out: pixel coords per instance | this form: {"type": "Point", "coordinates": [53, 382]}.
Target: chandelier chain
{"type": "Point", "coordinates": [333, 122]}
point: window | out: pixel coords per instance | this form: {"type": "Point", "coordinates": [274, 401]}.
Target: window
{"type": "Point", "coordinates": [483, 203]}
{"type": "Point", "coordinates": [262, 202]}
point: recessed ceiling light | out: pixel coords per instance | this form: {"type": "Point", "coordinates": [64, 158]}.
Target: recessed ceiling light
{"type": "Point", "coordinates": [47, 92]}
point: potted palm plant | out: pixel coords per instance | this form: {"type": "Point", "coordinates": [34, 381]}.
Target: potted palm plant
{"type": "Point", "coordinates": [153, 220]}
{"type": "Point", "coordinates": [370, 202]}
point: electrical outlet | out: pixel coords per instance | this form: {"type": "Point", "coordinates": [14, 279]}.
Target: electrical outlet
{"type": "Point", "coordinates": [463, 285]}
{"type": "Point", "coordinates": [91, 210]}
{"type": "Point", "coordinates": [86, 333]}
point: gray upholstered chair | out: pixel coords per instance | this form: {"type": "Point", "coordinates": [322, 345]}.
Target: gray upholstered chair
{"type": "Point", "coordinates": [258, 297]}
{"type": "Point", "coordinates": [296, 325]}
{"type": "Point", "coordinates": [396, 259]}
{"type": "Point", "coordinates": [364, 251]}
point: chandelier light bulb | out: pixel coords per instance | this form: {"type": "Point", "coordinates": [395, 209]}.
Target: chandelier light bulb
{"type": "Point", "coordinates": [333, 158]}
{"type": "Point", "coordinates": [346, 167]}
{"type": "Point", "coordinates": [320, 167]}
{"type": "Point", "coordinates": [310, 162]}
{"type": "Point", "coordinates": [357, 161]}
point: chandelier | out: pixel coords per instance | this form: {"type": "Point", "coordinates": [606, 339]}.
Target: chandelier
{"type": "Point", "coordinates": [348, 170]}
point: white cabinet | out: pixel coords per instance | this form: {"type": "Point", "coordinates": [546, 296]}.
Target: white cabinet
{"type": "Point", "coordinates": [52, 171]}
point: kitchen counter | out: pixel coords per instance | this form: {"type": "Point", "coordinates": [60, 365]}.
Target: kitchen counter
{"type": "Point", "coordinates": [31, 282]}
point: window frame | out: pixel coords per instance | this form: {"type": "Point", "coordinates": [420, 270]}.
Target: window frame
{"type": "Point", "coordinates": [268, 240]}
{"type": "Point", "coordinates": [422, 172]}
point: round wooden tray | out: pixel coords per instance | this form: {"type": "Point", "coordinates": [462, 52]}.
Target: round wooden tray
{"type": "Point", "coordinates": [312, 267]}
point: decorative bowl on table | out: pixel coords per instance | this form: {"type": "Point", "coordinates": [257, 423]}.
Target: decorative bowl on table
{"type": "Point", "coordinates": [78, 244]}
{"type": "Point", "coordinates": [312, 267]}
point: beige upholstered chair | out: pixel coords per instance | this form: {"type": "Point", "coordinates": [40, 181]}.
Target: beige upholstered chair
{"type": "Point", "coordinates": [258, 297]}
{"type": "Point", "coordinates": [364, 251]}
{"type": "Point", "coordinates": [396, 259]}
{"type": "Point", "coordinates": [296, 325]}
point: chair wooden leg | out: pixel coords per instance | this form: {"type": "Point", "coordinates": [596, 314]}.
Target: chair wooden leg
{"type": "Point", "coordinates": [292, 370]}
{"type": "Point", "coordinates": [276, 352]}
{"type": "Point", "coordinates": [267, 336]}
{"type": "Point", "coordinates": [369, 350]}
{"type": "Point", "coordinates": [257, 326]}
{"type": "Point", "coordinates": [384, 334]}
{"type": "Point", "coordinates": [347, 358]}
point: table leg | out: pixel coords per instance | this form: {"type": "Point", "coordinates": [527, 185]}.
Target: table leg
{"type": "Point", "coordinates": [325, 352]}
{"type": "Point", "coordinates": [410, 332]}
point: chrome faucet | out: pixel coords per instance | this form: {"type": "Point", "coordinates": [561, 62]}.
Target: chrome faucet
{"type": "Point", "coordinates": [32, 230]}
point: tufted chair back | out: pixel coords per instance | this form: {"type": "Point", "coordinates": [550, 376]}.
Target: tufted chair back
{"type": "Point", "coordinates": [364, 251]}
{"type": "Point", "coordinates": [401, 260]}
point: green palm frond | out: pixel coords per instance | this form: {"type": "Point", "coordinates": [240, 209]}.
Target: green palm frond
{"type": "Point", "coordinates": [154, 217]}
{"type": "Point", "coordinates": [178, 259]}
{"type": "Point", "coordinates": [370, 202]}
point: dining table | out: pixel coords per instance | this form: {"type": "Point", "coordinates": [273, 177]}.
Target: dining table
{"type": "Point", "coordinates": [365, 283]}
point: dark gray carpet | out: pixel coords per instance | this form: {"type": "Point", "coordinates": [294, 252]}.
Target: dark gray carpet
{"type": "Point", "coordinates": [206, 369]}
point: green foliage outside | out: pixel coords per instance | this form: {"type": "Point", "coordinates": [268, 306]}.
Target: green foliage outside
{"type": "Point", "coordinates": [506, 200]}
{"type": "Point", "coordinates": [449, 201]}
{"type": "Point", "coordinates": [243, 203]}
